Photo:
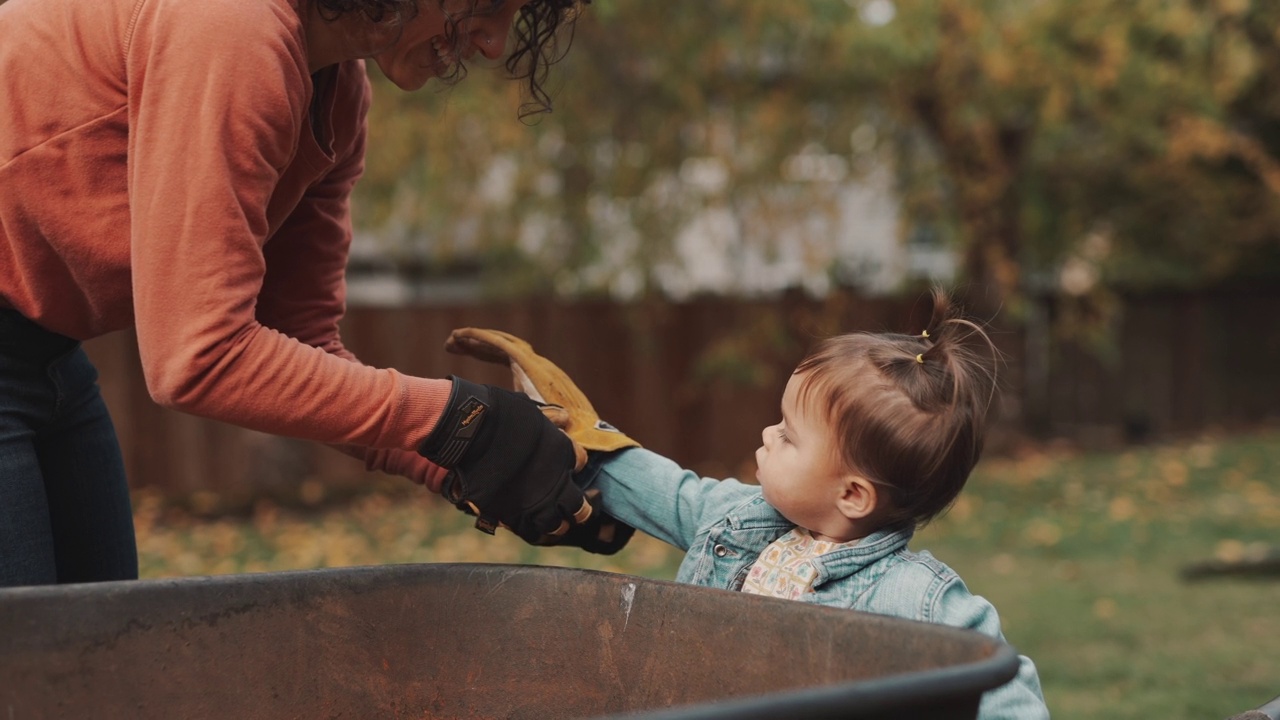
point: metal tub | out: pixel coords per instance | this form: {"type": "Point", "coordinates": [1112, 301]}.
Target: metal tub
{"type": "Point", "coordinates": [471, 641]}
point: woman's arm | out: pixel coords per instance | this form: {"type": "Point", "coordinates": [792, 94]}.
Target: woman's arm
{"type": "Point", "coordinates": [217, 105]}
{"type": "Point", "coordinates": [303, 292]}
{"type": "Point", "coordinates": [304, 287]}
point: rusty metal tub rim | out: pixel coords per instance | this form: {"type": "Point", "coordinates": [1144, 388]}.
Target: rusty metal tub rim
{"type": "Point", "coordinates": [474, 640]}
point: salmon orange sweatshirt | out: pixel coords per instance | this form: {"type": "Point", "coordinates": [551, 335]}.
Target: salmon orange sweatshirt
{"type": "Point", "coordinates": [159, 168]}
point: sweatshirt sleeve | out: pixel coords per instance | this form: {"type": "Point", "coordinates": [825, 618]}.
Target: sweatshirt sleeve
{"type": "Point", "coordinates": [217, 99]}
{"type": "Point", "coordinates": [304, 289]}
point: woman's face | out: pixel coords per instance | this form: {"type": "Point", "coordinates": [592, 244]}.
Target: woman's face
{"type": "Point", "coordinates": [423, 51]}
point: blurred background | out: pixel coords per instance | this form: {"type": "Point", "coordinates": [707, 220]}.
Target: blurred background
{"type": "Point", "coordinates": [722, 183]}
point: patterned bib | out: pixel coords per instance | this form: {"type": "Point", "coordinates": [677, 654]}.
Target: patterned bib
{"type": "Point", "coordinates": [786, 569]}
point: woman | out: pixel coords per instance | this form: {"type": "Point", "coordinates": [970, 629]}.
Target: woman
{"type": "Point", "coordinates": [185, 168]}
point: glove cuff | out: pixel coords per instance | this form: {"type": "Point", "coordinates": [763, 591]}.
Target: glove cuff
{"type": "Point", "coordinates": [466, 411]}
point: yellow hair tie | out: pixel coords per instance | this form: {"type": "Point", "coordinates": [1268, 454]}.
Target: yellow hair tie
{"type": "Point", "coordinates": [924, 334]}
{"type": "Point", "coordinates": [920, 358]}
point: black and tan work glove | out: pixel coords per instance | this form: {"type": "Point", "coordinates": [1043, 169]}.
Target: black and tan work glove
{"type": "Point", "coordinates": [568, 408]}
{"type": "Point", "coordinates": [507, 463]}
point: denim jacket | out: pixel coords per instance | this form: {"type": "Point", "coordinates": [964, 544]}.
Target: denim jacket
{"type": "Point", "coordinates": [724, 525]}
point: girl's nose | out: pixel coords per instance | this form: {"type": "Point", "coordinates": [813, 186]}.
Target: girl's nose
{"type": "Point", "coordinates": [767, 434]}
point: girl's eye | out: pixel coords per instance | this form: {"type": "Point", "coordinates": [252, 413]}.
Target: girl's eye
{"type": "Point", "coordinates": [782, 435]}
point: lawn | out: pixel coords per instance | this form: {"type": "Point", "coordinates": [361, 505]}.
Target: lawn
{"type": "Point", "coordinates": [1080, 552]}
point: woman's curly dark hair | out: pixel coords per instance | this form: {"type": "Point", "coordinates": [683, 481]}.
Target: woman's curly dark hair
{"type": "Point", "coordinates": [375, 10]}
{"type": "Point", "coordinates": [538, 41]}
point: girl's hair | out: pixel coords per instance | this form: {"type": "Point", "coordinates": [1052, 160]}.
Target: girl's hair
{"type": "Point", "coordinates": [908, 411]}
{"type": "Point", "coordinates": [536, 28]}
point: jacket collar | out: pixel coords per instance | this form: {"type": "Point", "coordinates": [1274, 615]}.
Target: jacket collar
{"type": "Point", "coordinates": [756, 513]}
{"type": "Point", "coordinates": [869, 551]}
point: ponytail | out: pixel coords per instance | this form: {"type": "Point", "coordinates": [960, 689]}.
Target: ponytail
{"type": "Point", "coordinates": [910, 411]}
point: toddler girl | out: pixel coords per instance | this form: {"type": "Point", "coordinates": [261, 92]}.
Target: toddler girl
{"type": "Point", "coordinates": [878, 435]}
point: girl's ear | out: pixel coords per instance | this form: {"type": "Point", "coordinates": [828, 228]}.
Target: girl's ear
{"type": "Point", "coordinates": [858, 497]}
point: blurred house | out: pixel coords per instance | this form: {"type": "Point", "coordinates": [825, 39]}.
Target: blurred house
{"type": "Point", "coordinates": [825, 227]}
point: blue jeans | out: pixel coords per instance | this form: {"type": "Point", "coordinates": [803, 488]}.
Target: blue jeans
{"type": "Point", "coordinates": [64, 501]}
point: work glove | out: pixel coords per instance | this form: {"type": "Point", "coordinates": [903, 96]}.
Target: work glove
{"type": "Point", "coordinates": [507, 463]}
{"type": "Point", "coordinates": [568, 408]}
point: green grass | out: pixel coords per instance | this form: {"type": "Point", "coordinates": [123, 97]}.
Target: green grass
{"type": "Point", "coordinates": [1081, 554]}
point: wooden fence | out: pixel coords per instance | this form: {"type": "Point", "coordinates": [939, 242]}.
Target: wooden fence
{"type": "Point", "coordinates": [697, 381]}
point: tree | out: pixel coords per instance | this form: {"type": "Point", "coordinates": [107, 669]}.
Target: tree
{"type": "Point", "coordinates": [709, 111]}
{"type": "Point", "coordinates": [1132, 140]}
